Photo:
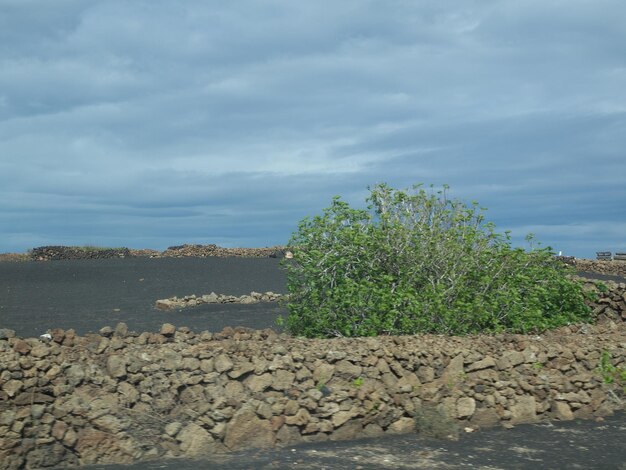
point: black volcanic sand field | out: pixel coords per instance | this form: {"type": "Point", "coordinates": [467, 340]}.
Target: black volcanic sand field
{"type": "Point", "coordinates": [87, 295]}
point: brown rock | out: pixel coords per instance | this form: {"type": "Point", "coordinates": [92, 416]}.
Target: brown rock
{"type": "Point", "coordinates": [485, 417]}
{"type": "Point", "coordinates": [21, 347]}
{"type": "Point", "coordinates": [524, 411]}
{"type": "Point", "coordinates": [277, 422]}
{"type": "Point", "coordinates": [402, 426]}
{"type": "Point", "coordinates": [288, 435]}
{"type": "Point", "coordinates": [247, 430]}
{"type": "Point", "coordinates": [291, 407]}
{"type": "Point", "coordinates": [166, 304]}
{"type": "Point", "coordinates": [510, 359]}
{"type": "Point", "coordinates": [195, 441]}
{"type": "Point", "coordinates": [283, 380]}
{"type": "Point", "coordinates": [426, 374]}
{"type": "Point", "coordinates": [111, 424]}
{"type": "Point", "coordinates": [121, 330]}
{"type": "Point", "coordinates": [12, 387]}
{"type": "Point", "coordinates": [350, 430]}
{"type": "Point", "coordinates": [70, 438]}
{"type": "Point", "coordinates": [258, 383]}
{"type": "Point", "coordinates": [58, 334]}
{"type": "Point", "coordinates": [223, 363]}
{"type": "Point", "coordinates": [75, 374]}
{"type": "Point", "coordinates": [486, 363]}
{"type": "Point", "coordinates": [562, 411]}
{"type": "Point", "coordinates": [347, 368]}
{"type": "Point", "coordinates": [323, 373]}
{"type": "Point", "coordinates": [167, 329]}
{"type": "Point", "coordinates": [59, 428]}
{"type": "Point", "coordinates": [242, 368]}
{"type": "Point", "coordinates": [301, 418]}
{"type": "Point", "coordinates": [172, 429]}
{"type": "Point", "coordinates": [26, 398]}
{"type": "Point", "coordinates": [92, 445]}
{"type": "Point", "coordinates": [116, 366]}
{"type": "Point", "coordinates": [40, 350]}
{"type": "Point", "coordinates": [342, 417]}
{"type": "Point", "coordinates": [465, 407]}
{"type": "Point", "coordinates": [373, 430]}
{"type": "Point", "coordinates": [454, 370]}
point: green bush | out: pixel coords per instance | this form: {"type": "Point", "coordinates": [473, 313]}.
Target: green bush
{"type": "Point", "coordinates": [419, 262]}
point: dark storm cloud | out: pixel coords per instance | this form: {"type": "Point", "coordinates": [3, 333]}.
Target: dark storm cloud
{"type": "Point", "coordinates": [151, 123]}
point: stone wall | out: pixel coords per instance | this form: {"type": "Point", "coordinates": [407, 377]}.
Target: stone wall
{"type": "Point", "coordinates": [614, 267]}
{"type": "Point", "coordinates": [176, 303]}
{"type": "Point", "coordinates": [611, 302]}
{"type": "Point", "coordinates": [50, 253]}
{"type": "Point", "coordinates": [53, 253]}
{"type": "Point", "coordinates": [203, 251]}
{"type": "Point", "coordinates": [118, 396]}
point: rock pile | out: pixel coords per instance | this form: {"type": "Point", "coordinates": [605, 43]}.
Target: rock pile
{"type": "Point", "coordinates": [14, 257]}
{"type": "Point", "coordinates": [48, 253]}
{"type": "Point", "coordinates": [52, 253]}
{"type": "Point", "coordinates": [202, 251]}
{"type": "Point", "coordinates": [175, 303]}
{"type": "Point", "coordinates": [144, 253]}
{"type": "Point", "coordinates": [615, 267]}
{"type": "Point", "coordinates": [611, 304]}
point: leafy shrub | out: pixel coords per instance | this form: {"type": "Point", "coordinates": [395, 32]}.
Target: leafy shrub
{"type": "Point", "coordinates": [419, 262]}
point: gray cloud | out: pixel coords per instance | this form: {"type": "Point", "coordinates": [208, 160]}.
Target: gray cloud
{"type": "Point", "coordinates": [151, 123]}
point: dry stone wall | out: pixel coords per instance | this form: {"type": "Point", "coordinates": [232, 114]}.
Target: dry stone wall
{"type": "Point", "coordinates": [203, 251]}
{"type": "Point", "coordinates": [53, 253]}
{"type": "Point", "coordinates": [611, 301]}
{"type": "Point", "coordinates": [614, 267]}
{"type": "Point", "coordinates": [175, 303]}
{"type": "Point", "coordinates": [117, 396]}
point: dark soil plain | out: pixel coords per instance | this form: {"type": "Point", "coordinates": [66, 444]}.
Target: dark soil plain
{"type": "Point", "coordinates": [89, 294]}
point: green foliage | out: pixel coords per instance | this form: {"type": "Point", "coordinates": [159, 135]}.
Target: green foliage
{"type": "Point", "coordinates": [610, 373]}
{"type": "Point", "coordinates": [419, 262]}
{"type": "Point", "coordinates": [602, 287]}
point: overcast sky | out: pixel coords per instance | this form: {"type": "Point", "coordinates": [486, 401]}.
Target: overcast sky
{"type": "Point", "coordinates": [153, 123]}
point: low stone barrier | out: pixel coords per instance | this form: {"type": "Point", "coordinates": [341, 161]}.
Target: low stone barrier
{"type": "Point", "coordinates": [203, 251]}
{"type": "Point", "coordinates": [118, 396]}
{"type": "Point", "coordinates": [52, 253]}
{"type": "Point", "coordinates": [175, 303]}
{"type": "Point", "coordinates": [614, 267]}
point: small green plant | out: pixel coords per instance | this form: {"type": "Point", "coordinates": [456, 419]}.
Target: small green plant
{"type": "Point", "coordinates": [357, 382]}
{"type": "Point", "coordinates": [602, 287]}
{"type": "Point", "coordinates": [538, 365]}
{"type": "Point", "coordinates": [321, 386]}
{"type": "Point", "coordinates": [610, 373]}
{"type": "Point", "coordinates": [420, 262]}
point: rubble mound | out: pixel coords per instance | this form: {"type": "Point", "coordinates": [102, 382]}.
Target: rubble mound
{"type": "Point", "coordinates": [203, 251]}
{"type": "Point", "coordinates": [53, 253]}
{"type": "Point", "coordinates": [47, 253]}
